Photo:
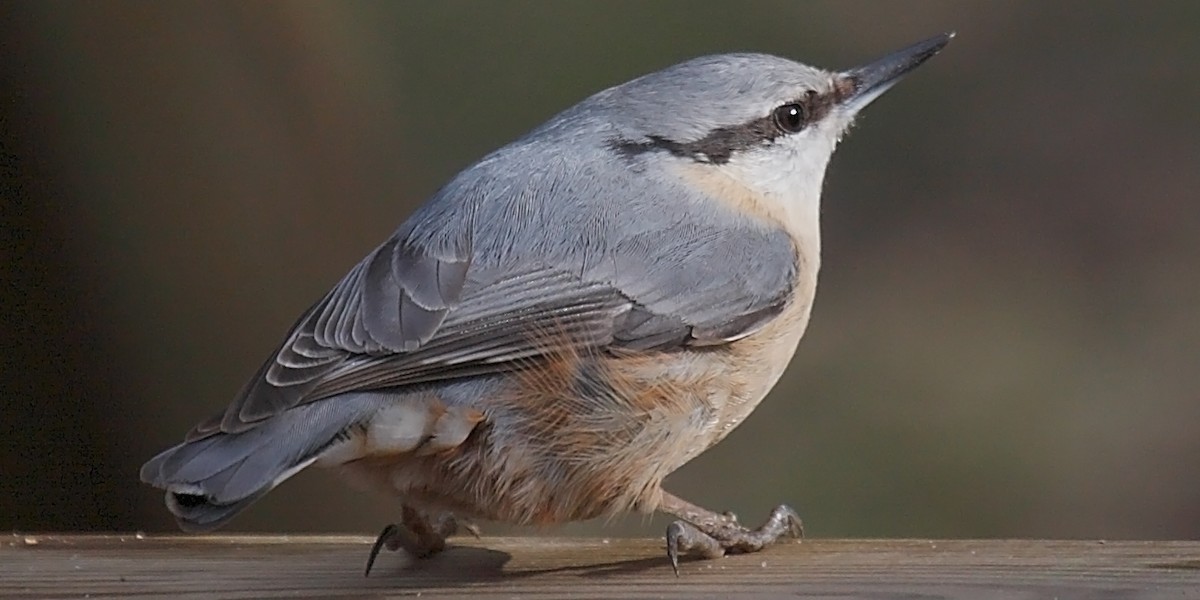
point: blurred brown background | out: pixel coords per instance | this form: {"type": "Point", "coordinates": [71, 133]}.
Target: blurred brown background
{"type": "Point", "coordinates": [1005, 340]}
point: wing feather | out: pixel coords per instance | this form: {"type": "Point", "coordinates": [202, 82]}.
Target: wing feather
{"type": "Point", "coordinates": [491, 273]}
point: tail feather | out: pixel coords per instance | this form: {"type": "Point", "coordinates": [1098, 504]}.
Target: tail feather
{"type": "Point", "coordinates": [210, 480]}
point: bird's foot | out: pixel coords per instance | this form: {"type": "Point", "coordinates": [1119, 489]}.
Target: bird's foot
{"type": "Point", "coordinates": [419, 535]}
{"type": "Point", "coordinates": [707, 534]}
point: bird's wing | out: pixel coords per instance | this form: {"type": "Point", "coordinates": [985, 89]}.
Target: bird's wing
{"type": "Point", "coordinates": [491, 270]}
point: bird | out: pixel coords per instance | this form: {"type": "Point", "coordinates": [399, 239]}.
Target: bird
{"type": "Point", "coordinates": [565, 322]}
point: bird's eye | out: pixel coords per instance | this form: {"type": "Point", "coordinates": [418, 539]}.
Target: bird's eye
{"type": "Point", "coordinates": [790, 118]}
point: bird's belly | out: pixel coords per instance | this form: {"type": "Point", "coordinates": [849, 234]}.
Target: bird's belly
{"type": "Point", "coordinates": [757, 362]}
{"type": "Point", "coordinates": [585, 436]}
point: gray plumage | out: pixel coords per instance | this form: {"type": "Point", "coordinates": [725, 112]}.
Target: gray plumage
{"type": "Point", "coordinates": [213, 478]}
{"type": "Point", "coordinates": [502, 252]}
{"type": "Point", "coordinates": [585, 237]}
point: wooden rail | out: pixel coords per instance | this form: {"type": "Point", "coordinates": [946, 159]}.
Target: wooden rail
{"type": "Point", "coordinates": [232, 566]}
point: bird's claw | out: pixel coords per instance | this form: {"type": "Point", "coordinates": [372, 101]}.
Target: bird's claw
{"type": "Point", "coordinates": [728, 537]}
{"type": "Point", "coordinates": [392, 536]}
{"type": "Point", "coordinates": [418, 535]}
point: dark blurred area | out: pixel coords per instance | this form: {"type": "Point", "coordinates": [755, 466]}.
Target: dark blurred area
{"type": "Point", "coordinates": [1006, 335]}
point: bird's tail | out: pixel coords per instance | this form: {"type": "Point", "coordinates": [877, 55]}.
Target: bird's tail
{"type": "Point", "coordinates": [211, 479]}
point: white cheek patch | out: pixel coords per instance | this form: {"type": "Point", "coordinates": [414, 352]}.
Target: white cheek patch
{"type": "Point", "coordinates": [788, 173]}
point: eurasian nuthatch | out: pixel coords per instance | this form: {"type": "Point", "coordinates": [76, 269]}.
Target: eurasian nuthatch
{"type": "Point", "coordinates": [566, 322]}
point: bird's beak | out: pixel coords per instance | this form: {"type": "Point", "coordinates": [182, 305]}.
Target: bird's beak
{"type": "Point", "coordinates": [861, 85]}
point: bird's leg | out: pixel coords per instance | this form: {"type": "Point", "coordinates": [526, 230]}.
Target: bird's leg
{"type": "Point", "coordinates": [418, 534]}
{"type": "Point", "coordinates": [705, 533]}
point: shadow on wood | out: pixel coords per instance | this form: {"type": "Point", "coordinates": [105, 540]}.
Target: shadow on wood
{"type": "Point", "coordinates": [52, 565]}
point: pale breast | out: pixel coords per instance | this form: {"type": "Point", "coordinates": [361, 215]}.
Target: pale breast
{"type": "Point", "coordinates": [757, 362]}
{"type": "Point", "coordinates": [724, 385]}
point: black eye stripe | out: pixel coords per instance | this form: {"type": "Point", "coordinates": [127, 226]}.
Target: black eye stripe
{"type": "Point", "coordinates": [720, 144]}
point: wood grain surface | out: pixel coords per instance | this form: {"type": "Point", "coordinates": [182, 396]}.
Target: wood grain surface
{"type": "Point", "coordinates": [231, 566]}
